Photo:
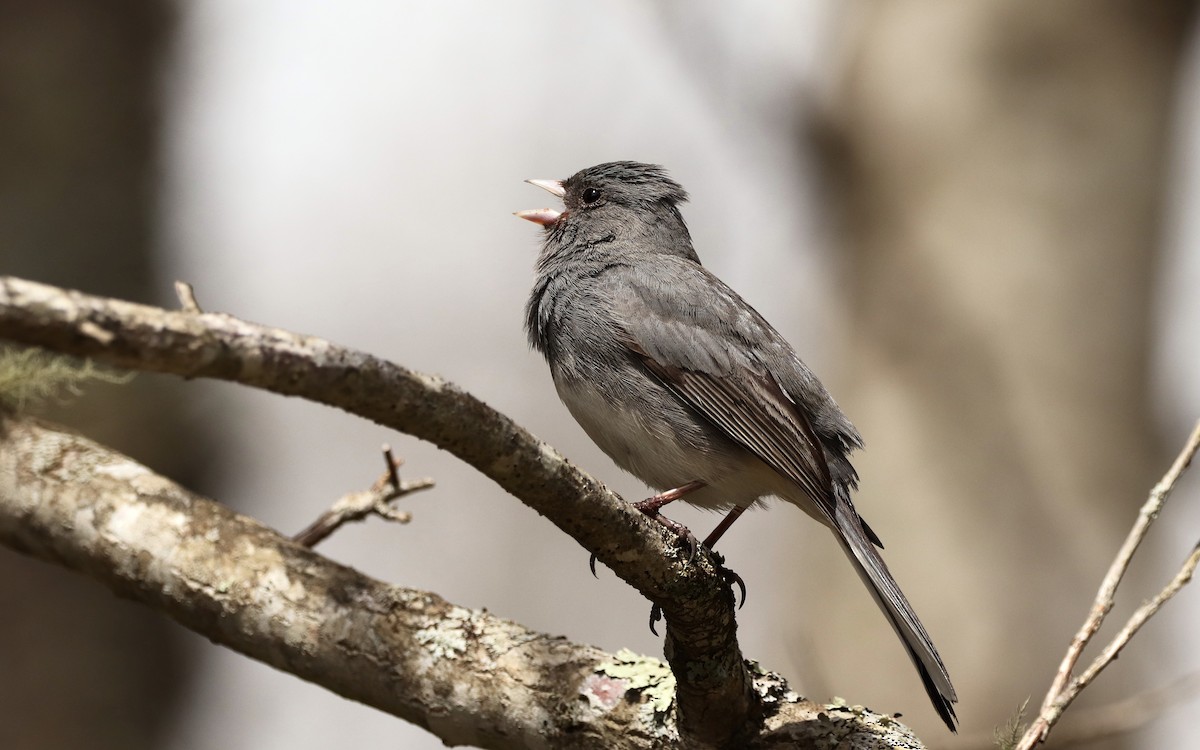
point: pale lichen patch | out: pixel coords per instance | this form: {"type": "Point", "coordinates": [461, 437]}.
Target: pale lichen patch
{"type": "Point", "coordinates": [499, 642]}
{"type": "Point", "coordinates": [84, 524]}
{"type": "Point", "coordinates": [771, 687]}
{"type": "Point", "coordinates": [431, 382]}
{"type": "Point", "coordinates": [152, 533]}
{"type": "Point", "coordinates": [447, 638]}
{"type": "Point", "coordinates": [650, 677]}
{"type": "Point", "coordinates": [122, 470]}
{"type": "Point", "coordinates": [150, 528]}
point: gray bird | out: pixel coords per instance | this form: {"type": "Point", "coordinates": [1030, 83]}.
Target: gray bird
{"type": "Point", "coordinates": [686, 386]}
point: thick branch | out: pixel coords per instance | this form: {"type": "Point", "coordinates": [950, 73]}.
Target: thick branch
{"type": "Point", "coordinates": [715, 699]}
{"type": "Point", "coordinates": [466, 676]}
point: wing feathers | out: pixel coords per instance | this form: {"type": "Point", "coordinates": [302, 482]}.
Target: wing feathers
{"type": "Point", "coordinates": [756, 413]}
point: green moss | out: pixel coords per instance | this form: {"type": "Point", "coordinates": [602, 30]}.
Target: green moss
{"type": "Point", "coordinates": [1010, 734]}
{"type": "Point", "coordinates": [31, 376]}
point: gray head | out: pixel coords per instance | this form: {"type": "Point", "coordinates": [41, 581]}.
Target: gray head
{"type": "Point", "coordinates": [631, 204]}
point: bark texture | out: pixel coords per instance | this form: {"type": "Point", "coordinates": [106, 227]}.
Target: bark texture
{"type": "Point", "coordinates": [717, 701]}
{"type": "Point", "coordinates": [79, 166]}
{"type": "Point", "coordinates": [465, 675]}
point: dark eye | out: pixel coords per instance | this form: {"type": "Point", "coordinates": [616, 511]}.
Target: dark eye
{"type": "Point", "coordinates": [591, 195]}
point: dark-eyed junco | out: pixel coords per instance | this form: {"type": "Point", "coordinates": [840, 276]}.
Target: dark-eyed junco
{"type": "Point", "coordinates": [685, 385]}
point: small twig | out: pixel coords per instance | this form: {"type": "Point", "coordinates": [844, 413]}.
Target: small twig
{"type": "Point", "coordinates": [187, 297]}
{"type": "Point", "coordinates": [1139, 618]}
{"type": "Point", "coordinates": [391, 463]}
{"type": "Point", "coordinates": [1093, 722]}
{"type": "Point", "coordinates": [1124, 716]}
{"type": "Point", "coordinates": [358, 505]}
{"type": "Point", "coordinates": [1064, 689]}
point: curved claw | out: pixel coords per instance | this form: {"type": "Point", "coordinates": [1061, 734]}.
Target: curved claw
{"type": "Point", "coordinates": [682, 534]}
{"type": "Point", "coordinates": [728, 576]}
{"type": "Point", "coordinates": [731, 577]}
{"type": "Point", "coordinates": [592, 567]}
{"type": "Point", "coordinates": [693, 546]}
{"type": "Point", "coordinates": [655, 616]}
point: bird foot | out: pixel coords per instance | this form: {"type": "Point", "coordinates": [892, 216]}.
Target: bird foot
{"type": "Point", "coordinates": [650, 507]}
{"type": "Point", "coordinates": [728, 575]}
{"type": "Point", "coordinates": [683, 534]}
{"type": "Point", "coordinates": [655, 615]}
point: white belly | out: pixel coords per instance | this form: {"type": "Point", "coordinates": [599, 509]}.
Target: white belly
{"type": "Point", "coordinates": [644, 443]}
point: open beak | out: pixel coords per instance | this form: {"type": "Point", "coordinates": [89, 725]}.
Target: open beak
{"type": "Point", "coordinates": [547, 217]}
{"type": "Point", "coordinates": [544, 216]}
{"type": "Point", "coordinates": [554, 187]}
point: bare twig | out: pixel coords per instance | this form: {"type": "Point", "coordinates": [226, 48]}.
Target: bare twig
{"type": "Point", "coordinates": [390, 466]}
{"type": "Point", "coordinates": [1064, 689]}
{"type": "Point", "coordinates": [356, 506]}
{"type": "Point", "coordinates": [1091, 723]}
{"type": "Point", "coordinates": [187, 297]}
{"type": "Point", "coordinates": [1124, 716]}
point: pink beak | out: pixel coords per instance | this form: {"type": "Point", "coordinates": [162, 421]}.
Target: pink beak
{"type": "Point", "coordinates": [545, 216]}
{"type": "Point", "coordinates": [554, 187]}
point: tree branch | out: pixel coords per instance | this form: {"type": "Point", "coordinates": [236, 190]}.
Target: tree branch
{"type": "Point", "coordinates": [467, 676]}
{"type": "Point", "coordinates": [715, 701]}
{"type": "Point", "coordinates": [355, 506]}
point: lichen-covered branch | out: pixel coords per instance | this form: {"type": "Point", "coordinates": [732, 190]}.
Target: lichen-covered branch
{"type": "Point", "coordinates": [715, 699]}
{"type": "Point", "coordinates": [407, 652]}
{"type": "Point", "coordinates": [467, 676]}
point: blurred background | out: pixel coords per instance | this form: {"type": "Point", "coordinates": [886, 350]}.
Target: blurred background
{"type": "Point", "coordinates": [977, 221]}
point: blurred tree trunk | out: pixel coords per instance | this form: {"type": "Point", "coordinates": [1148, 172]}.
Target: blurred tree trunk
{"type": "Point", "coordinates": [997, 170]}
{"type": "Point", "coordinates": [79, 147]}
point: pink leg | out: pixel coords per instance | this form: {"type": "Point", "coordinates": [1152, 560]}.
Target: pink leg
{"type": "Point", "coordinates": [722, 527]}
{"type": "Point", "coordinates": [729, 576]}
{"type": "Point", "coordinates": [650, 505]}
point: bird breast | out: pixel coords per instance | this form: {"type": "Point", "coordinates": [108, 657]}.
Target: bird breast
{"type": "Point", "coordinates": [651, 435]}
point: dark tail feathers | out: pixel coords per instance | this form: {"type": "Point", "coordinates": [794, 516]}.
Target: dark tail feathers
{"type": "Point", "coordinates": [887, 594]}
